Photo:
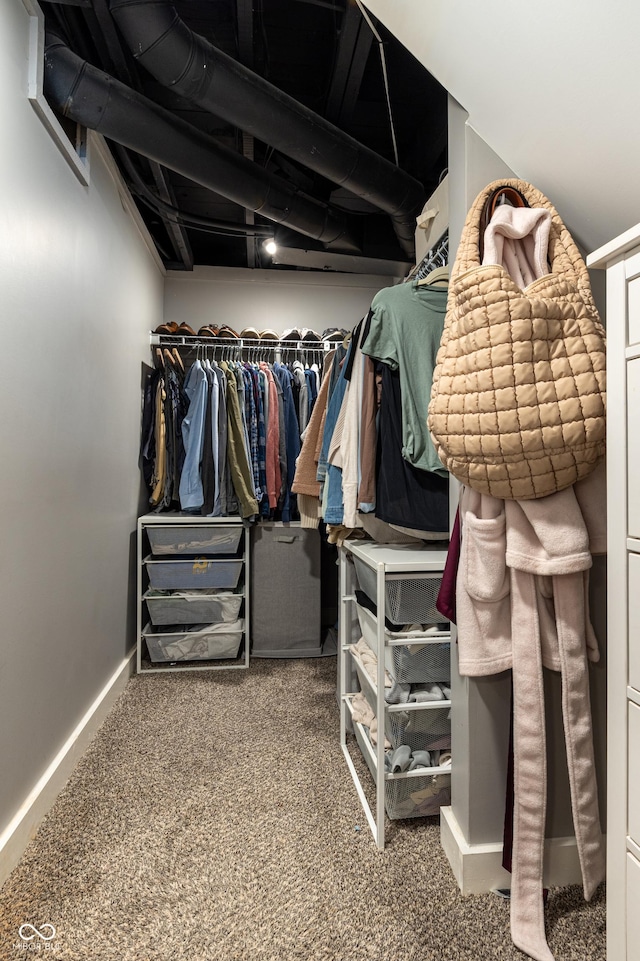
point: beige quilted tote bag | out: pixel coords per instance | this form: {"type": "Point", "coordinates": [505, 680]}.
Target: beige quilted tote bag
{"type": "Point", "coordinates": [517, 405]}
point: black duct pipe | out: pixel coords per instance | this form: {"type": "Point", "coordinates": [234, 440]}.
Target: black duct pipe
{"type": "Point", "coordinates": [95, 100]}
{"type": "Point", "coordinates": [189, 64]}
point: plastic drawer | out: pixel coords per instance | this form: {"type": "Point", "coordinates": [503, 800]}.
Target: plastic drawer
{"type": "Point", "coordinates": [194, 540]}
{"type": "Point", "coordinates": [415, 663]}
{"type": "Point", "coordinates": [410, 599]}
{"type": "Point", "coordinates": [199, 572]}
{"type": "Point", "coordinates": [411, 797]}
{"type": "Point", "coordinates": [192, 607]}
{"type": "Point", "coordinates": [203, 642]}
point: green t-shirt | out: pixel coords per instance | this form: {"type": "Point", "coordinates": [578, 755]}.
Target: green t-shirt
{"type": "Point", "coordinates": [406, 327]}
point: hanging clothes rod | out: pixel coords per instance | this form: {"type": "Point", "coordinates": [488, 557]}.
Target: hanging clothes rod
{"type": "Point", "coordinates": [182, 340]}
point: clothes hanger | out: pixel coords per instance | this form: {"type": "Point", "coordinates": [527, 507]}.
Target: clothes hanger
{"type": "Point", "coordinates": [178, 359]}
{"type": "Point", "coordinates": [439, 276]}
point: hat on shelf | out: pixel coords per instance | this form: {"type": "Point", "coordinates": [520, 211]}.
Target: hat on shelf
{"type": "Point", "coordinates": [250, 333]}
{"type": "Point", "coordinates": [292, 334]}
{"type": "Point", "coordinates": [309, 335]}
{"type": "Point", "coordinates": [269, 335]}
{"type": "Point", "coordinates": [331, 333]}
{"type": "Point", "coordinates": [169, 328]}
{"type": "Point", "coordinates": [208, 331]}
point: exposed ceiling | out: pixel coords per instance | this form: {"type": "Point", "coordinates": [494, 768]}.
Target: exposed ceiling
{"type": "Point", "coordinates": [323, 54]}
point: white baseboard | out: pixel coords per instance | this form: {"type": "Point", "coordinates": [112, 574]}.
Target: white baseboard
{"type": "Point", "coordinates": [23, 826]}
{"type": "Point", "coordinates": [478, 867]}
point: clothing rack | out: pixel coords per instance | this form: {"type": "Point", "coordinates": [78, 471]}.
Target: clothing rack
{"type": "Point", "coordinates": [236, 348]}
{"type": "Point", "coordinates": [436, 256]}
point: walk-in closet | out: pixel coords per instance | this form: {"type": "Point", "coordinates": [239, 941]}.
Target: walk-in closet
{"type": "Point", "coordinates": [319, 530]}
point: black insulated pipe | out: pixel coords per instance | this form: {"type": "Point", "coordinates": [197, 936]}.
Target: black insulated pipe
{"type": "Point", "coordinates": [97, 101]}
{"type": "Point", "coordinates": [187, 63]}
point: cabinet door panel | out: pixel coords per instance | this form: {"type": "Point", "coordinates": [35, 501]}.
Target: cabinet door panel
{"type": "Point", "coordinates": [633, 447]}
{"type": "Point", "coordinates": [634, 621]}
{"type": "Point", "coordinates": [634, 773]}
{"type": "Point", "coordinates": [633, 915]}
{"type": "Point", "coordinates": [633, 295]}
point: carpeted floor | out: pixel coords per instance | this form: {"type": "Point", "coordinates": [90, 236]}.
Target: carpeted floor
{"type": "Point", "coordinates": [214, 819]}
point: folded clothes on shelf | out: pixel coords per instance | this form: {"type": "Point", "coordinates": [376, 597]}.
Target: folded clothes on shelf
{"type": "Point", "coordinates": [369, 661]}
{"type": "Point", "coordinates": [404, 759]}
{"type": "Point", "coordinates": [417, 693]}
{"type": "Point", "coordinates": [363, 714]}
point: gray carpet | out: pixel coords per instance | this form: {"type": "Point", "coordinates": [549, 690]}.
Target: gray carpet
{"type": "Point", "coordinates": [214, 818]}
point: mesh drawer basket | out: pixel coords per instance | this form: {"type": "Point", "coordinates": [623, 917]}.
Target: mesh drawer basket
{"type": "Point", "coordinates": [194, 540]}
{"type": "Point", "coordinates": [192, 607]}
{"type": "Point", "coordinates": [411, 663]}
{"type": "Point", "coordinates": [417, 797]}
{"type": "Point", "coordinates": [195, 573]}
{"type": "Point", "coordinates": [411, 797]}
{"type": "Point", "coordinates": [409, 599]}
{"type": "Point", "coordinates": [426, 729]}
{"type": "Point", "coordinates": [202, 642]}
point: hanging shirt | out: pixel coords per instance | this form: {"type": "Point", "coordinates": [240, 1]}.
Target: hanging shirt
{"type": "Point", "coordinates": [220, 506]}
{"type": "Point", "coordinates": [195, 386]}
{"type": "Point", "coordinates": [274, 478]}
{"type": "Point", "coordinates": [406, 327]}
{"type": "Point", "coordinates": [292, 431]}
{"type": "Point", "coordinates": [237, 460]}
{"type": "Point", "coordinates": [405, 495]}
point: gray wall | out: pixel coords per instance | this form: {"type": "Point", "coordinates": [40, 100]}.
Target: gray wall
{"type": "Point", "coordinates": [277, 299]}
{"type": "Point", "coordinates": [80, 290]}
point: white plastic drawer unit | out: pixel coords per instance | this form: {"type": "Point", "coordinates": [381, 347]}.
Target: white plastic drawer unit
{"type": "Point", "coordinates": [193, 540]}
{"type": "Point", "coordinates": [633, 447]}
{"type": "Point", "coordinates": [634, 621]}
{"type": "Point", "coordinates": [634, 774]}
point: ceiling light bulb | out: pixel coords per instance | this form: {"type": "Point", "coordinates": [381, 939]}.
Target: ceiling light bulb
{"type": "Point", "coordinates": [271, 247]}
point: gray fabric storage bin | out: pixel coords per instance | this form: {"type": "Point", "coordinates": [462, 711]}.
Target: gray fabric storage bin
{"type": "Point", "coordinates": [285, 591]}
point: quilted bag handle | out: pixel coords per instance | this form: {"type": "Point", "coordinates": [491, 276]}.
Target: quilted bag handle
{"type": "Point", "coordinates": [518, 400]}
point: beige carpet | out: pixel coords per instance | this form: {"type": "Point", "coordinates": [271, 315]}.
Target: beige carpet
{"type": "Point", "coordinates": [214, 819]}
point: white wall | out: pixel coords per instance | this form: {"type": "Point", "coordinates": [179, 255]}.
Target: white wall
{"type": "Point", "coordinates": [552, 88]}
{"type": "Point", "coordinates": [80, 290]}
{"type": "Point", "coordinates": [278, 299]}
